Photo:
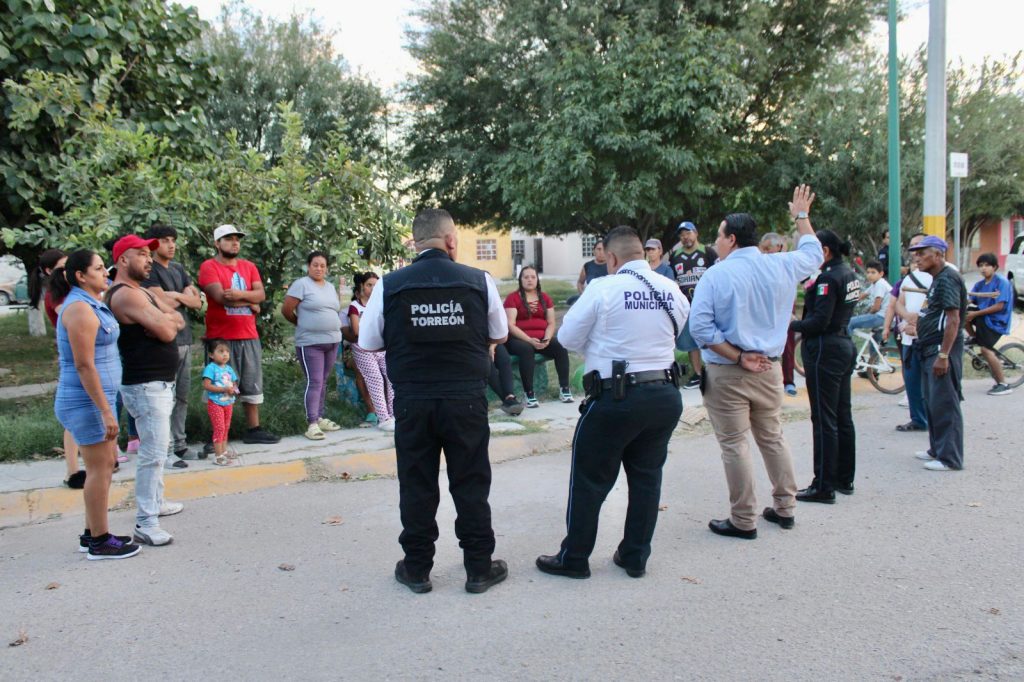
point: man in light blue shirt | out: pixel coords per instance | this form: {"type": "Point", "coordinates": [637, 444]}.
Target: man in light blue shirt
{"type": "Point", "coordinates": [739, 318]}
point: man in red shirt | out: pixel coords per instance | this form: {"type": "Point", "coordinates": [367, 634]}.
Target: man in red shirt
{"type": "Point", "coordinates": [234, 291]}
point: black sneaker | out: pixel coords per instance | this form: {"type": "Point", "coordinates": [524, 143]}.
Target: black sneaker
{"type": "Point", "coordinates": [84, 538]}
{"type": "Point", "coordinates": [112, 548]}
{"type": "Point", "coordinates": [185, 453]}
{"type": "Point", "coordinates": [178, 463]}
{"type": "Point", "coordinates": [1000, 389]}
{"type": "Point", "coordinates": [418, 584]}
{"type": "Point", "coordinates": [511, 406]}
{"type": "Point", "coordinates": [693, 383]}
{"type": "Point", "coordinates": [258, 435]}
{"type": "Point", "coordinates": [76, 480]}
{"type": "Point", "coordinates": [478, 584]}
{"type": "Point", "coordinates": [206, 451]}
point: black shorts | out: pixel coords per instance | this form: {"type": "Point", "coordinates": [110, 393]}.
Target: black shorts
{"type": "Point", "coordinates": [985, 336]}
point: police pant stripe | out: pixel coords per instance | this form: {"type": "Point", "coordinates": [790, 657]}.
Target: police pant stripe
{"type": "Point", "coordinates": [572, 473]}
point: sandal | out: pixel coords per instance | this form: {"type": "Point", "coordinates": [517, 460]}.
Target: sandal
{"type": "Point", "coordinates": [911, 426]}
{"type": "Point", "coordinates": [221, 460]}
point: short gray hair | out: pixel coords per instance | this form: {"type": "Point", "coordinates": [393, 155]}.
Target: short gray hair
{"type": "Point", "coordinates": [774, 239]}
{"type": "Point", "coordinates": [431, 223]}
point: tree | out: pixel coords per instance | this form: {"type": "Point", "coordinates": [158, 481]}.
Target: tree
{"type": "Point", "coordinates": [262, 62]}
{"type": "Point", "coordinates": [837, 140]}
{"type": "Point", "coordinates": [137, 57]}
{"type": "Point", "coordinates": [118, 177]}
{"type": "Point", "coordinates": [568, 116]}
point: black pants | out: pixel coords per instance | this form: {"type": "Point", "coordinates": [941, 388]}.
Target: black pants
{"type": "Point", "coordinates": [942, 398]}
{"type": "Point", "coordinates": [500, 380]}
{"type": "Point", "coordinates": [423, 428]}
{"type": "Point", "coordinates": [828, 363]}
{"type": "Point", "coordinates": [634, 433]}
{"type": "Point", "coordinates": [524, 351]}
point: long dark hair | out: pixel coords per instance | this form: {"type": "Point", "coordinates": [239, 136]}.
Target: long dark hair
{"type": "Point", "coordinates": [40, 273]}
{"type": "Point", "coordinates": [522, 292]}
{"type": "Point", "coordinates": [359, 280]}
{"type": "Point", "coordinates": [836, 246]}
{"type": "Point", "coordinates": [62, 279]}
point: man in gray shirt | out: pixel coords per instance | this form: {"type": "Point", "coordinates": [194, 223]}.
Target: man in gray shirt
{"type": "Point", "coordinates": [169, 280]}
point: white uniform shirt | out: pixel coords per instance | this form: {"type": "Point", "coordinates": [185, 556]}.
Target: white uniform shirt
{"type": "Point", "coordinates": [912, 300]}
{"type": "Point", "coordinates": [371, 326]}
{"type": "Point", "coordinates": [618, 318]}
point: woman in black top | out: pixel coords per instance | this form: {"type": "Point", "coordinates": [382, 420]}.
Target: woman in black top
{"type": "Point", "coordinates": [829, 356]}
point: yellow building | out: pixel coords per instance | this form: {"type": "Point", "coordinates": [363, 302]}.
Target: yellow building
{"type": "Point", "coordinates": [486, 249]}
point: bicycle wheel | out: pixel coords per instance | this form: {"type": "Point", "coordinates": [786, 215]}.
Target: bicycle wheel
{"type": "Point", "coordinates": [798, 358]}
{"type": "Point", "coordinates": [1012, 357]}
{"type": "Point", "coordinates": [889, 381]}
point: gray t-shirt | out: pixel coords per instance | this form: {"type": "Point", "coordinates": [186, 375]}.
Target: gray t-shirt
{"type": "Point", "coordinates": [317, 311]}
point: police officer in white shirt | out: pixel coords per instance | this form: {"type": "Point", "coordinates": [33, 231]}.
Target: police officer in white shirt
{"type": "Point", "coordinates": [625, 325]}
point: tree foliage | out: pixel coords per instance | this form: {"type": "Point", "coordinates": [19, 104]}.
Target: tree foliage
{"type": "Point", "coordinates": [262, 61]}
{"type": "Point", "coordinates": [115, 177]}
{"type": "Point", "coordinates": [569, 116]}
{"type": "Point", "coordinates": [837, 139]}
{"type": "Point", "coordinates": [133, 56]}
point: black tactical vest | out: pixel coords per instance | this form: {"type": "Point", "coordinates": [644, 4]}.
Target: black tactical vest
{"type": "Point", "coordinates": [435, 328]}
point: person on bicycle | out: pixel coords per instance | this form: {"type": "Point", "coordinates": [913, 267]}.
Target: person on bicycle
{"type": "Point", "coordinates": [829, 355]}
{"type": "Point", "coordinates": [878, 296]}
{"type": "Point", "coordinates": [994, 313]}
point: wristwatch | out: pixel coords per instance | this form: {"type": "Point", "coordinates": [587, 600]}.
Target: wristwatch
{"type": "Point", "coordinates": [944, 356]}
{"type": "Point", "coordinates": [801, 215]}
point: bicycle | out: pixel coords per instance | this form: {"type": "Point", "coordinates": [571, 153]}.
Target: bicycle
{"type": "Point", "coordinates": [881, 365]}
{"type": "Point", "coordinates": [1010, 355]}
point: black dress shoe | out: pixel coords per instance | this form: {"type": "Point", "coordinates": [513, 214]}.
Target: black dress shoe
{"type": "Point", "coordinates": [725, 527]}
{"type": "Point", "coordinates": [813, 494]}
{"type": "Point", "coordinates": [553, 565]}
{"type": "Point", "coordinates": [770, 514]}
{"type": "Point", "coordinates": [480, 583]}
{"type": "Point", "coordinates": [418, 584]}
{"type": "Point", "coordinates": [845, 489]}
{"type": "Point", "coordinates": [631, 572]}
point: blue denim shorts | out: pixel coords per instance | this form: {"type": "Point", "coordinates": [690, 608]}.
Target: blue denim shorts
{"type": "Point", "coordinates": [685, 342]}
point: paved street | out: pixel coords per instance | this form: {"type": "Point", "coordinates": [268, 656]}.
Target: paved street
{"type": "Point", "coordinates": [917, 576]}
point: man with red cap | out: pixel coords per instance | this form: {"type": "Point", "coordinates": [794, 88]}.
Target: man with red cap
{"type": "Point", "coordinates": [149, 360]}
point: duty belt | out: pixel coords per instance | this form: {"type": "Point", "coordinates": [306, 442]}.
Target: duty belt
{"type": "Point", "coordinates": [634, 378]}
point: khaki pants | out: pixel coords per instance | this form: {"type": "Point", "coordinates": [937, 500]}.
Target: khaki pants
{"type": "Point", "coordinates": [741, 403]}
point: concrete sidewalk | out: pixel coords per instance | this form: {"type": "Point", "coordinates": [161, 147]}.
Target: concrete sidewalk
{"type": "Point", "coordinates": [33, 491]}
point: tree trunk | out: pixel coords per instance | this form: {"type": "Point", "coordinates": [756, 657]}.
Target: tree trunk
{"type": "Point", "coordinates": [36, 321]}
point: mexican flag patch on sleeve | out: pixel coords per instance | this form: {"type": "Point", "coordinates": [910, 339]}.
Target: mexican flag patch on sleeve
{"type": "Point", "coordinates": [823, 289]}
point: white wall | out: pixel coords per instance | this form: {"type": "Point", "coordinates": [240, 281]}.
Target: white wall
{"type": "Point", "coordinates": [563, 254]}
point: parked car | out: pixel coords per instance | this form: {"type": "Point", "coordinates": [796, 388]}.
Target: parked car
{"type": "Point", "coordinates": [1015, 268]}
{"type": "Point", "coordinates": [14, 292]}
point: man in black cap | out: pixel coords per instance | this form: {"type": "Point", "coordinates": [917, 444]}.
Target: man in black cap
{"type": "Point", "coordinates": [431, 309]}
{"type": "Point", "coordinates": [689, 260]}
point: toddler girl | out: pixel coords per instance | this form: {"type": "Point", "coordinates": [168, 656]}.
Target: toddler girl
{"type": "Point", "coordinates": [219, 380]}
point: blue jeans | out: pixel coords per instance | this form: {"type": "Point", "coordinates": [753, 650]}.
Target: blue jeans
{"type": "Point", "coordinates": [151, 404]}
{"type": "Point", "coordinates": [912, 381]}
{"type": "Point", "coordinates": [869, 321]}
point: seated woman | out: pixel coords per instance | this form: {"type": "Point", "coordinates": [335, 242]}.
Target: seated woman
{"type": "Point", "coordinates": [531, 329]}
{"type": "Point", "coordinates": [500, 380]}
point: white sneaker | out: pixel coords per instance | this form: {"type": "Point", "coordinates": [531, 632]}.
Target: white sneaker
{"type": "Point", "coordinates": [387, 425]}
{"type": "Point", "coordinates": [314, 433]}
{"type": "Point", "coordinates": [936, 465]}
{"type": "Point", "coordinates": [155, 536]}
{"type": "Point", "coordinates": [170, 508]}
{"type": "Point", "coordinates": [904, 402]}
{"type": "Point", "coordinates": [924, 456]}
{"type": "Point", "coordinates": [327, 425]}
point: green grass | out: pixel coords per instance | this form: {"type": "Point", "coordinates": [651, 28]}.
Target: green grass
{"type": "Point", "coordinates": [31, 359]}
{"type": "Point", "coordinates": [28, 429]}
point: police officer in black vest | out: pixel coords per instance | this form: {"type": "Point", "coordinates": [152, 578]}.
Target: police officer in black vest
{"type": "Point", "coordinates": [829, 356]}
{"type": "Point", "coordinates": [626, 326]}
{"type": "Point", "coordinates": [436, 318]}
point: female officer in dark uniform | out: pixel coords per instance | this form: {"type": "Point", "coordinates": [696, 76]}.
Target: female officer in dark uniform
{"type": "Point", "coordinates": [829, 356]}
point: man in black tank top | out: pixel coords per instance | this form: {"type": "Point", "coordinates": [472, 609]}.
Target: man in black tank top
{"type": "Point", "coordinates": [149, 359]}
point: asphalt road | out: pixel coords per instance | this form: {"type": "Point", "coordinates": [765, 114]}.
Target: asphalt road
{"type": "Point", "coordinates": [917, 576]}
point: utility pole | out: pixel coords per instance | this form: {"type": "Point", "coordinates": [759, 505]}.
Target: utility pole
{"type": "Point", "coordinates": [895, 203]}
{"type": "Point", "coordinates": [935, 123]}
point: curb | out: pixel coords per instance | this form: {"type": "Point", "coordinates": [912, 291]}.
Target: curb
{"type": "Point", "coordinates": [24, 507]}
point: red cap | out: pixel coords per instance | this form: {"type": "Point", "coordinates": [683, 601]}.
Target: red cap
{"type": "Point", "coordinates": [134, 241]}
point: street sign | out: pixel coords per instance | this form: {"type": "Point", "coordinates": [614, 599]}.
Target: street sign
{"type": "Point", "coordinates": [957, 165]}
